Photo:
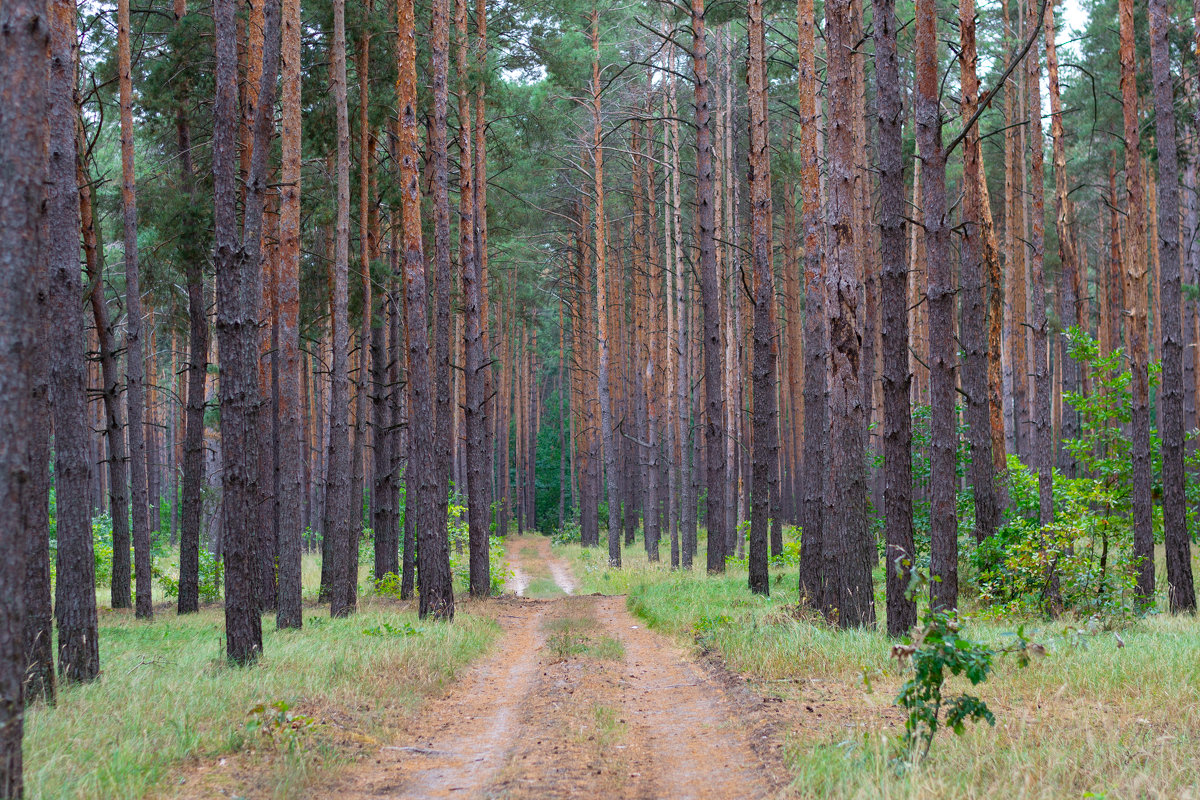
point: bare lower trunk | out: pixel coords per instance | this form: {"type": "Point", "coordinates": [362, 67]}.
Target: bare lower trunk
{"type": "Point", "coordinates": [847, 546]}
{"type": "Point", "coordinates": [1181, 592]}
{"type": "Point", "coordinates": [764, 299]}
{"type": "Point", "coordinates": [75, 585]}
{"type": "Point", "coordinates": [135, 400]}
{"type": "Point", "coordinates": [897, 416]}
{"type": "Point", "coordinates": [943, 433]}
{"type": "Point", "coordinates": [433, 556]}
{"type": "Point", "coordinates": [816, 331]}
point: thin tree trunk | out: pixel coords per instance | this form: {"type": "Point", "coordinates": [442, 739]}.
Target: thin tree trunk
{"type": "Point", "coordinates": [1135, 305]}
{"type": "Point", "coordinates": [816, 331]}
{"type": "Point", "coordinates": [197, 374]}
{"type": "Point", "coordinates": [1043, 434]}
{"type": "Point", "coordinates": [444, 399]}
{"type": "Point", "coordinates": [974, 336]}
{"type": "Point", "coordinates": [340, 514]}
{"type": "Point", "coordinates": [114, 418]}
{"type": "Point", "coordinates": [135, 400]}
{"type": "Point", "coordinates": [714, 414]}
{"type": "Point", "coordinates": [289, 610]}
{"type": "Point", "coordinates": [942, 351]}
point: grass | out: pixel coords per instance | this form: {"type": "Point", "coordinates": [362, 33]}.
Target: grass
{"type": "Point", "coordinates": [576, 636]}
{"type": "Point", "coordinates": [1091, 719]}
{"type": "Point", "coordinates": [542, 585]}
{"type": "Point", "coordinates": [167, 697]}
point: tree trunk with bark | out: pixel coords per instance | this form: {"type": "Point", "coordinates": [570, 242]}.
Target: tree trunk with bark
{"type": "Point", "coordinates": [340, 514]}
{"type": "Point", "coordinates": [897, 416]}
{"type": "Point", "coordinates": [974, 334]}
{"type": "Point", "coordinates": [433, 555]}
{"type": "Point", "coordinates": [237, 259]}
{"type": "Point", "coordinates": [942, 350]}
{"type": "Point", "coordinates": [135, 393]}
{"type": "Point", "coordinates": [847, 546]}
{"type": "Point", "coordinates": [1181, 592]}
{"type": "Point", "coordinates": [764, 299]}
{"type": "Point", "coordinates": [24, 76]}
{"type": "Point", "coordinates": [714, 413]}
{"type": "Point", "coordinates": [1135, 306]}
{"type": "Point", "coordinates": [75, 586]}
{"type": "Point", "coordinates": [816, 330]}
{"type": "Point", "coordinates": [289, 610]}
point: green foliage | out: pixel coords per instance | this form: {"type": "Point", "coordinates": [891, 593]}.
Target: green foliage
{"type": "Point", "coordinates": [938, 651]}
{"type": "Point", "coordinates": [212, 578]}
{"type": "Point", "coordinates": [387, 586]}
{"type": "Point", "coordinates": [707, 626]}
{"type": "Point", "coordinates": [1089, 542]}
{"type": "Point", "coordinates": [387, 629]}
{"type": "Point", "coordinates": [102, 548]}
{"type": "Point", "coordinates": [278, 725]}
{"type": "Point", "coordinates": [569, 533]}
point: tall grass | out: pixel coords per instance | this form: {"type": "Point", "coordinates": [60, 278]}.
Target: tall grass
{"type": "Point", "coordinates": [1092, 719]}
{"type": "Point", "coordinates": [166, 694]}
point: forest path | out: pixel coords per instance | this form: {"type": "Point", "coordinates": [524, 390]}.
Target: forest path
{"type": "Point", "coordinates": [579, 699]}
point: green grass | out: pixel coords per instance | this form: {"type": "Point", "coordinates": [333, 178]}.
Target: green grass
{"type": "Point", "coordinates": [1090, 719]}
{"type": "Point", "coordinates": [166, 694]}
{"type": "Point", "coordinates": [576, 636]}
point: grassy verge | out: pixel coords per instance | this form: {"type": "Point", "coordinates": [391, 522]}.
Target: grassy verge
{"type": "Point", "coordinates": [167, 697]}
{"type": "Point", "coordinates": [1091, 719]}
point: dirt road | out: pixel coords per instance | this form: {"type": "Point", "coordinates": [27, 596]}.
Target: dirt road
{"type": "Point", "coordinates": [579, 699]}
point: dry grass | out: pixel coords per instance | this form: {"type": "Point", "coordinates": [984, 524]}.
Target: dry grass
{"type": "Point", "coordinates": [1092, 719]}
{"type": "Point", "coordinates": [166, 697]}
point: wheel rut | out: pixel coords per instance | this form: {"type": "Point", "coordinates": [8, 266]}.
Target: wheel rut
{"type": "Point", "coordinates": [579, 699]}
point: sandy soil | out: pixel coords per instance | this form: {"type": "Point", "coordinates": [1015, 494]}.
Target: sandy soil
{"type": "Point", "coordinates": [579, 699]}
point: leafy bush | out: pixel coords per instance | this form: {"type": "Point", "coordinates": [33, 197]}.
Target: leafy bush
{"type": "Point", "coordinates": [939, 648]}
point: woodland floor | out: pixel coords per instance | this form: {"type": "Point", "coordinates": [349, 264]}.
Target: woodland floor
{"type": "Point", "coordinates": [578, 699]}
{"type": "Point", "coordinates": [551, 691]}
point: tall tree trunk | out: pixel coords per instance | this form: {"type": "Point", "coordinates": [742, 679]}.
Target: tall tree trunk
{"type": "Point", "coordinates": [197, 374]}
{"type": "Point", "coordinates": [237, 259]}
{"type": "Point", "coordinates": [764, 300]}
{"type": "Point", "coordinates": [1068, 281]}
{"type": "Point", "coordinates": [816, 330]}
{"type": "Point", "coordinates": [943, 481]}
{"type": "Point", "coordinates": [897, 416]}
{"type": "Point", "coordinates": [436, 591]}
{"type": "Point", "coordinates": [714, 413]}
{"type": "Point", "coordinates": [606, 414]}
{"type": "Point", "coordinates": [475, 414]}
{"type": "Point", "coordinates": [1135, 305]}
{"type": "Point", "coordinates": [440, 65]}
{"type": "Point", "coordinates": [75, 586]}
{"type": "Point", "coordinates": [847, 546]}
{"type": "Point", "coordinates": [135, 400]}
{"type": "Point", "coordinates": [1043, 434]}
{"type": "Point", "coordinates": [1016, 279]}
{"type": "Point", "coordinates": [114, 417]}
{"type": "Point", "coordinates": [289, 610]}
{"type": "Point", "coordinates": [24, 85]}
{"type": "Point", "coordinates": [366, 157]}
{"type": "Point", "coordinates": [340, 513]}
{"type": "Point", "coordinates": [1181, 592]}
{"type": "Point", "coordinates": [973, 334]}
